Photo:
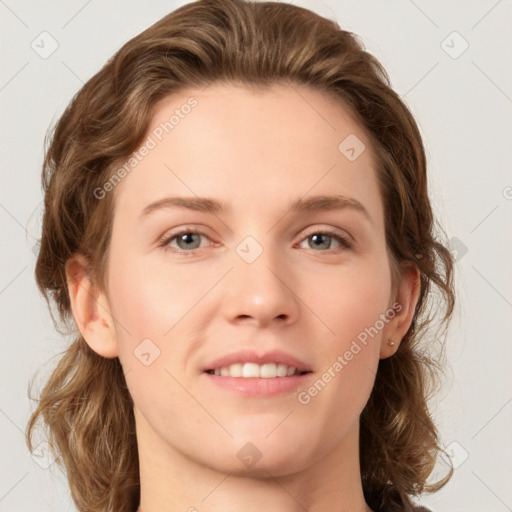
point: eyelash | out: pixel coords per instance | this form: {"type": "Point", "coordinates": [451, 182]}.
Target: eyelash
{"type": "Point", "coordinates": [166, 240]}
{"type": "Point", "coordinates": [344, 241]}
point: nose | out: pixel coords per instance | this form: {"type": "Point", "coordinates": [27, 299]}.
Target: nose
{"type": "Point", "coordinates": [261, 292]}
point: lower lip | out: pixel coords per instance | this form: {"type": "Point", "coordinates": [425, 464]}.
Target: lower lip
{"type": "Point", "coordinates": [259, 387]}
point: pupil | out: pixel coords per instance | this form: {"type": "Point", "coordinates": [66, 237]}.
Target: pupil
{"type": "Point", "coordinates": [322, 239]}
{"type": "Point", "coordinates": [188, 240]}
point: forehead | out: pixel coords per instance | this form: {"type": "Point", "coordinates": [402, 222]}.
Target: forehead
{"type": "Point", "coordinates": [283, 110]}
{"type": "Point", "coordinates": [244, 145]}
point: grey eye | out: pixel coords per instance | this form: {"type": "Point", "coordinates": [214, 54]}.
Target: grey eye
{"type": "Point", "coordinates": [320, 241]}
{"type": "Point", "coordinates": [187, 240]}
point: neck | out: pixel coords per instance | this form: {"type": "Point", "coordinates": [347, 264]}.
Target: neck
{"type": "Point", "coordinates": [172, 481]}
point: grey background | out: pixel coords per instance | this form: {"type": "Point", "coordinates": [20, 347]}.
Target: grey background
{"type": "Point", "coordinates": [463, 106]}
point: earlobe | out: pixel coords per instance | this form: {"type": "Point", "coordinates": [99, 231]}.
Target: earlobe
{"type": "Point", "coordinates": [90, 308]}
{"type": "Point", "coordinates": [406, 299]}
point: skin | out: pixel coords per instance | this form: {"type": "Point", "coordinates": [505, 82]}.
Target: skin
{"type": "Point", "coordinates": [309, 301]}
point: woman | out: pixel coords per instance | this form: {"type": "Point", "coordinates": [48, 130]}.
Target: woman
{"type": "Point", "coordinates": [237, 222]}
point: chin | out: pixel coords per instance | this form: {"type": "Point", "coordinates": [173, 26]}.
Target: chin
{"type": "Point", "coordinates": [261, 457]}
{"type": "Point", "coordinates": [267, 466]}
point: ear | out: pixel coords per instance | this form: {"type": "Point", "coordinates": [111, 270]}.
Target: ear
{"type": "Point", "coordinates": [404, 307]}
{"type": "Point", "coordinates": [90, 308]}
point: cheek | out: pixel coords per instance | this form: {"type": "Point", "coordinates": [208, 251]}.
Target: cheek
{"type": "Point", "coordinates": [149, 300]}
{"type": "Point", "coordinates": [160, 313]}
{"type": "Point", "coordinates": [348, 301]}
{"type": "Point", "coordinates": [150, 310]}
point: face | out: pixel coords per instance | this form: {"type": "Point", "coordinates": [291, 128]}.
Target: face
{"type": "Point", "coordinates": [247, 241]}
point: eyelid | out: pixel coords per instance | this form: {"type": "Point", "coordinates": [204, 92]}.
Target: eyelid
{"type": "Point", "coordinates": [344, 239]}
{"type": "Point", "coordinates": [321, 228]}
{"type": "Point", "coordinates": [164, 240]}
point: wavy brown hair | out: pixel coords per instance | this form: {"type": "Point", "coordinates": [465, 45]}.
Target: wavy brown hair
{"type": "Point", "coordinates": [85, 406]}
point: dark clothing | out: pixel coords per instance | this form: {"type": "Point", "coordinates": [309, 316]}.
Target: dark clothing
{"type": "Point", "coordinates": [389, 500]}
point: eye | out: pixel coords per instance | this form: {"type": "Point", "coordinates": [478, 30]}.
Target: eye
{"type": "Point", "coordinates": [184, 241]}
{"type": "Point", "coordinates": [325, 240]}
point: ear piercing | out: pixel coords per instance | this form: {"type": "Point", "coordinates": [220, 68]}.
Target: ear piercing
{"type": "Point", "coordinates": [391, 343]}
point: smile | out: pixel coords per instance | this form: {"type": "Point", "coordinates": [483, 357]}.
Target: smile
{"type": "Point", "coordinates": [254, 370]}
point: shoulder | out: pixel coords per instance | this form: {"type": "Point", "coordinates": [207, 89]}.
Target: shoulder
{"type": "Point", "coordinates": [421, 509]}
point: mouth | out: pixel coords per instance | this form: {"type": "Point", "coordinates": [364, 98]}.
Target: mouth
{"type": "Point", "coordinates": [250, 374]}
{"type": "Point", "coordinates": [255, 370]}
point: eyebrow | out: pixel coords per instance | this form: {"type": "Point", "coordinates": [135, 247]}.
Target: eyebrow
{"type": "Point", "coordinates": [310, 205]}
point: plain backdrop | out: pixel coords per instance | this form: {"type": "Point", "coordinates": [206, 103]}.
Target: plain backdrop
{"type": "Point", "coordinates": [450, 62]}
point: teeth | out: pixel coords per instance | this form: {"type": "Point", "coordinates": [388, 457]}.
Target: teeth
{"type": "Point", "coordinates": [282, 370]}
{"type": "Point", "coordinates": [250, 370]}
{"type": "Point", "coordinates": [253, 370]}
{"type": "Point", "coordinates": [235, 370]}
{"type": "Point", "coordinates": [268, 371]}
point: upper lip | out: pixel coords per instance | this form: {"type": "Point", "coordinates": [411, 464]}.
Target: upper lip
{"type": "Point", "coordinates": [250, 356]}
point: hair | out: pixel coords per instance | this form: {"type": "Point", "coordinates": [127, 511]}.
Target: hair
{"type": "Point", "coordinates": [85, 406]}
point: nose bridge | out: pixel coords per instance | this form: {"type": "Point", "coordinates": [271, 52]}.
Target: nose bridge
{"type": "Point", "coordinates": [259, 287]}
